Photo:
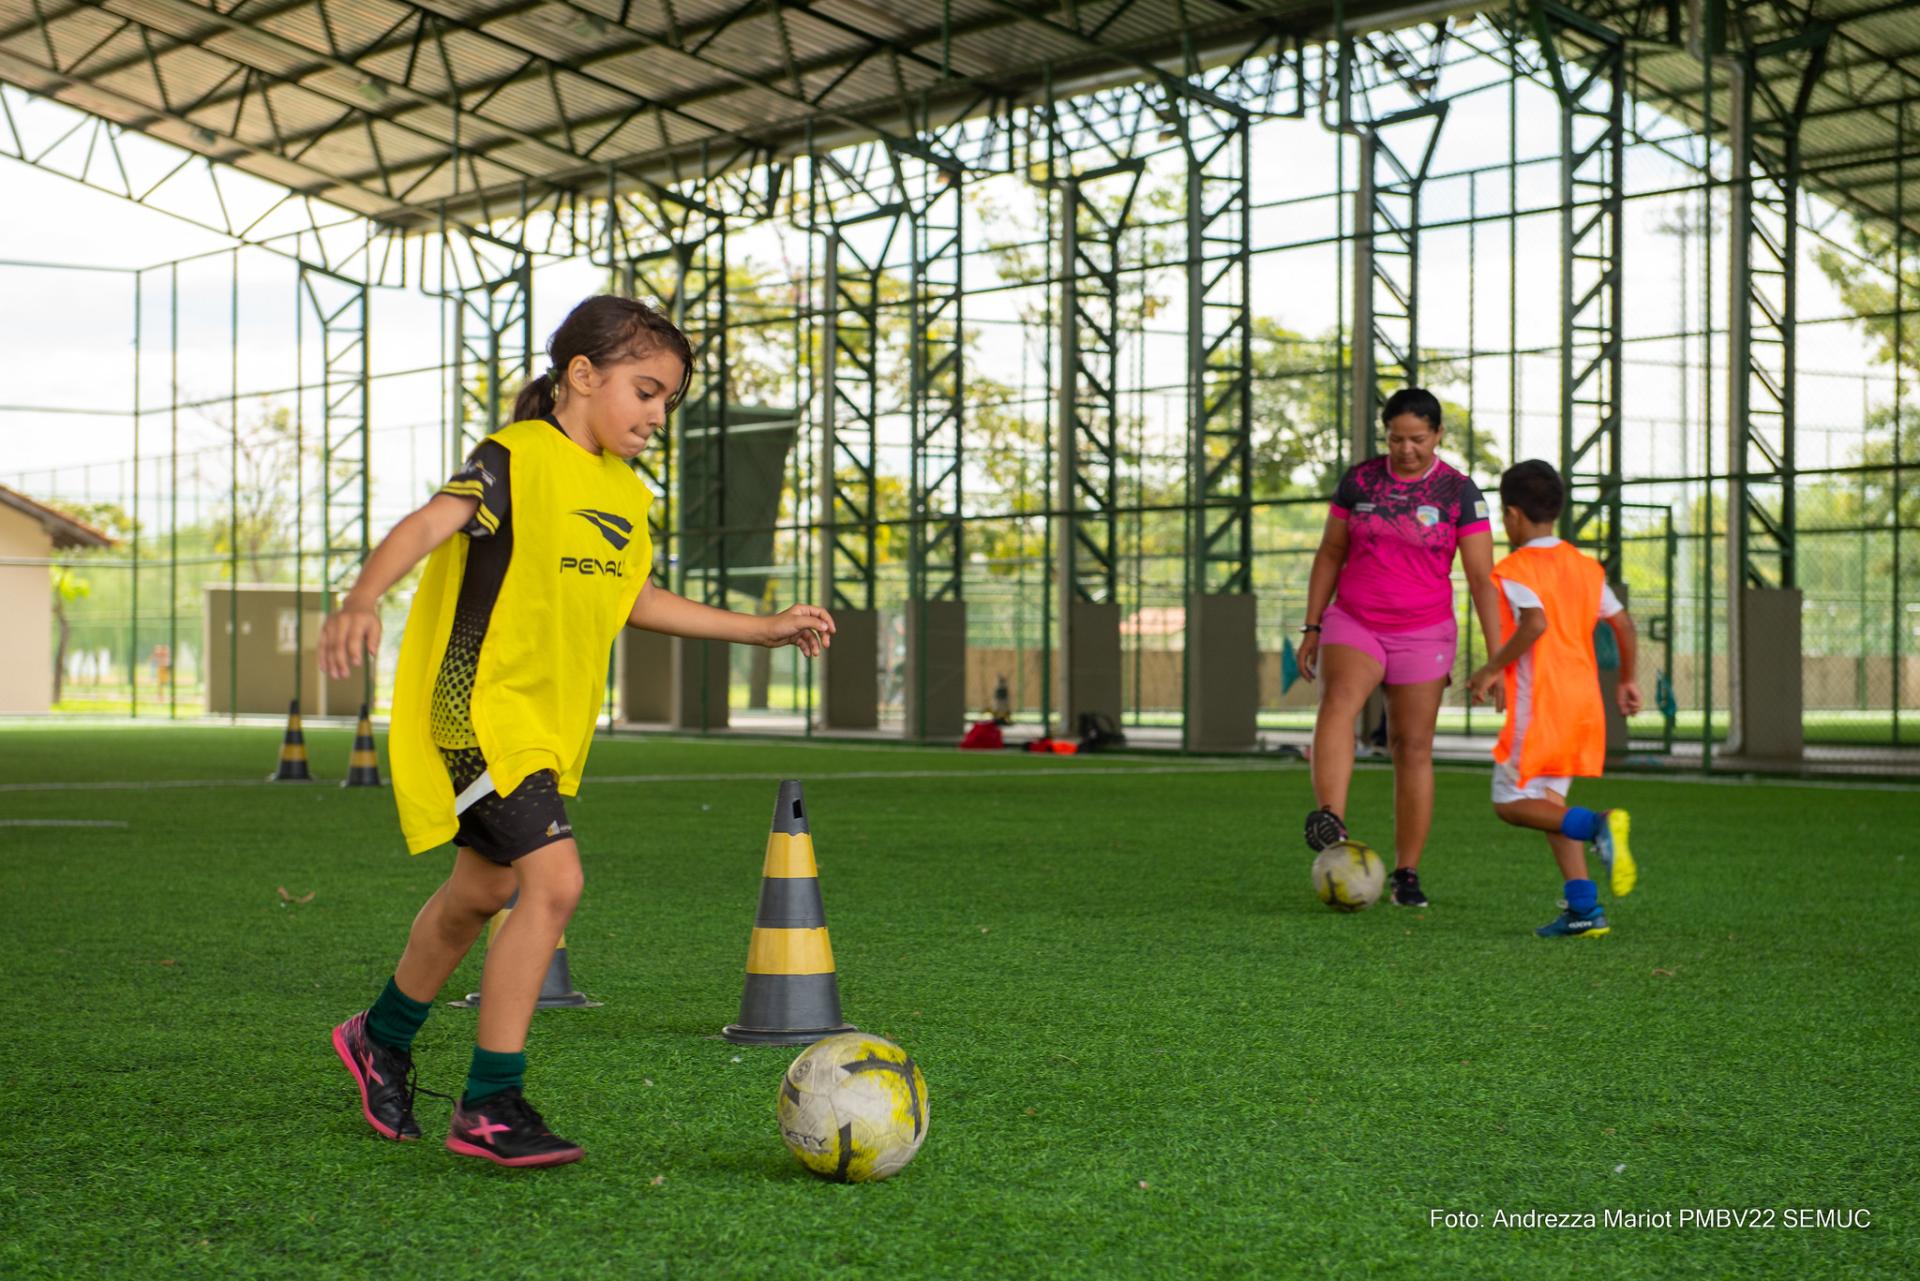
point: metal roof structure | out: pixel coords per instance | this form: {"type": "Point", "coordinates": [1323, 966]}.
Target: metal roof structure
{"type": "Point", "coordinates": [396, 109]}
{"type": "Point", "coordinates": [411, 111]}
{"type": "Point", "coordinates": [1836, 75]}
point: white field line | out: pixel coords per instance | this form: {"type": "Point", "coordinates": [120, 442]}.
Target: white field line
{"type": "Point", "coordinates": [1037, 771]}
{"type": "Point", "coordinates": [1058, 772]}
{"type": "Point", "coordinates": [60, 822]}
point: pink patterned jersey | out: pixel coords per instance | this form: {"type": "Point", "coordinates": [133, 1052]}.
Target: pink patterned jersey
{"type": "Point", "coordinates": [1401, 536]}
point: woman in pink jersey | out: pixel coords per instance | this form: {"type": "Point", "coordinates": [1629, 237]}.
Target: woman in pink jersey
{"type": "Point", "coordinates": [1380, 612]}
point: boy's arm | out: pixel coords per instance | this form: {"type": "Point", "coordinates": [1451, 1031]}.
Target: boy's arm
{"type": "Point", "coordinates": [1627, 637]}
{"type": "Point", "coordinates": [807, 628]}
{"type": "Point", "coordinates": [354, 630]}
{"type": "Point", "coordinates": [1528, 628]}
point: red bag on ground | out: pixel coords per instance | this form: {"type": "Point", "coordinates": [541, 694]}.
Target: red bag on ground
{"type": "Point", "coordinates": [983, 736]}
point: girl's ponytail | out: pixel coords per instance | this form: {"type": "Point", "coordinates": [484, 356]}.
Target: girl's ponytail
{"type": "Point", "coordinates": [535, 399]}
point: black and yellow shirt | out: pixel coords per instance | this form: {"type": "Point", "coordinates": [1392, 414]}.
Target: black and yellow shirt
{"type": "Point", "coordinates": [486, 477]}
{"type": "Point", "coordinates": [514, 620]}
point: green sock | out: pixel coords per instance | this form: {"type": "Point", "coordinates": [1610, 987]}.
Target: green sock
{"type": "Point", "coordinates": [395, 1018]}
{"type": "Point", "coordinates": [493, 1072]}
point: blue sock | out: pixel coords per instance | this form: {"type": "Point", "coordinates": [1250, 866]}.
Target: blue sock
{"type": "Point", "coordinates": [1582, 897]}
{"type": "Point", "coordinates": [1582, 825]}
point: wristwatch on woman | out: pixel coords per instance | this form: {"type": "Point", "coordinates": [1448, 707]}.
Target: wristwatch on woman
{"type": "Point", "coordinates": [1310, 627]}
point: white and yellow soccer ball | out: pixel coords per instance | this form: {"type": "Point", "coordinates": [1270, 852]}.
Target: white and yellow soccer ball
{"type": "Point", "coordinates": [853, 1108]}
{"type": "Point", "coordinates": [1348, 877]}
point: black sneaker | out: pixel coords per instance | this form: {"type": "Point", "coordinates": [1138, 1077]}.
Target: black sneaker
{"type": "Point", "coordinates": [1324, 828]}
{"type": "Point", "coordinates": [1406, 888]}
{"type": "Point", "coordinates": [503, 1128]}
{"type": "Point", "coordinates": [385, 1078]}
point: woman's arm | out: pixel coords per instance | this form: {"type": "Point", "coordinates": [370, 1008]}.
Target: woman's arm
{"type": "Point", "coordinates": [807, 628]}
{"type": "Point", "coordinates": [353, 631]}
{"type": "Point", "coordinates": [1476, 557]}
{"type": "Point", "coordinates": [1325, 575]}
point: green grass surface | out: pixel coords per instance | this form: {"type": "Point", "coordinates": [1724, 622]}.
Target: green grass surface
{"type": "Point", "coordinates": [1150, 1051]}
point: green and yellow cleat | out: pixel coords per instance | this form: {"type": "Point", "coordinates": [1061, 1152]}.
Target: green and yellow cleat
{"type": "Point", "coordinates": [1611, 844]}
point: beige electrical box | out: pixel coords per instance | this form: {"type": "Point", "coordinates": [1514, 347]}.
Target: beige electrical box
{"type": "Point", "coordinates": [271, 630]}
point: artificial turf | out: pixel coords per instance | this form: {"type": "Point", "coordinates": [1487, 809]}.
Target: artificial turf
{"type": "Point", "coordinates": [1149, 1050]}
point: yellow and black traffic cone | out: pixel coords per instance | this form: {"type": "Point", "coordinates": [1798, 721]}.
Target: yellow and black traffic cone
{"type": "Point", "coordinates": [363, 767]}
{"type": "Point", "coordinates": [293, 751]}
{"type": "Point", "coordinates": [556, 989]}
{"type": "Point", "coordinates": [792, 996]}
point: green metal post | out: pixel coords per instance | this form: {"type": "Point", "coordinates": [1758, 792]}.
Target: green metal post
{"type": "Point", "coordinates": [1902, 630]}
{"type": "Point", "coordinates": [173, 490]}
{"type": "Point", "coordinates": [133, 638]}
{"type": "Point", "coordinates": [233, 492]}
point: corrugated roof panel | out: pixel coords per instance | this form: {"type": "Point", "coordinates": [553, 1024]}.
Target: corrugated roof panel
{"type": "Point", "coordinates": [78, 35]}
{"type": "Point", "coordinates": [298, 110]}
{"type": "Point", "coordinates": [189, 73]}
{"type": "Point", "coordinates": [356, 23]}
{"type": "Point", "coordinates": [637, 137]}
{"type": "Point", "coordinates": [526, 101]}
{"type": "Point", "coordinates": [657, 74]}
{"type": "Point", "coordinates": [1022, 47]}
{"type": "Point", "coordinates": [585, 98]}
{"type": "Point", "coordinates": [422, 73]}
{"type": "Point", "coordinates": [564, 34]}
{"type": "Point", "coordinates": [476, 58]}
{"type": "Point", "coordinates": [300, 25]}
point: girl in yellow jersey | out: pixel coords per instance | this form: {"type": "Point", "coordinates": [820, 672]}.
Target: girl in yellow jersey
{"type": "Point", "coordinates": [539, 554]}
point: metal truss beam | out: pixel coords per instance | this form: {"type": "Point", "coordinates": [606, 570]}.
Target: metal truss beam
{"type": "Point", "coordinates": [492, 296]}
{"type": "Point", "coordinates": [1762, 338]}
{"type": "Point", "coordinates": [336, 308]}
{"type": "Point", "coordinates": [65, 141]}
{"type": "Point", "coordinates": [1593, 101]}
{"type": "Point", "coordinates": [1219, 352]}
{"type": "Point", "coordinates": [1097, 216]}
{"type": "Point", "coordinates": [426, 83]}
{"type": "Point", "coordinates": [851, 383]}
{"type": "Point", "coordinates": [1091, 37]}
{"type": "Point", "coordinates": [688, 278]}
{"type": "Point", "coordinates": [194, 135]}
{"type": "Point", "coordinates": [938, 388]}
{"type": "Point", "coordinates": [1387, 93]}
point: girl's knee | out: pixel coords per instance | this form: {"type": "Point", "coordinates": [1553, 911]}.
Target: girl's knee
{"type": "Point", "coordinates": [556, 891]}
{"type": "Point", "coordinates": [482, 898]}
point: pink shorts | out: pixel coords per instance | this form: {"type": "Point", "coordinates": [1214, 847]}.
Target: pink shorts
{"type": "Point", "coordinates": [1410, 658]}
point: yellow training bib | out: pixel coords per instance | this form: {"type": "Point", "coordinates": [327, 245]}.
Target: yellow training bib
{"type": "Point", "coordinates": [581, 553]}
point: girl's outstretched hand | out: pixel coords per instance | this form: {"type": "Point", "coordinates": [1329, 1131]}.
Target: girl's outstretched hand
{"type": "Point", "coordinates": [346, 638]}
{"type": "Point", "coordinates": [807, 628]}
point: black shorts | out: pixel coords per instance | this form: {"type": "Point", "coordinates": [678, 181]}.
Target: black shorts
{"type": "Point", "coordinates": [503, 828]}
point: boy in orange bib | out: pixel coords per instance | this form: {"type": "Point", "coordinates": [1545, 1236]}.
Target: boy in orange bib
{"type": "Point", "coordinates": [1551, 598]}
